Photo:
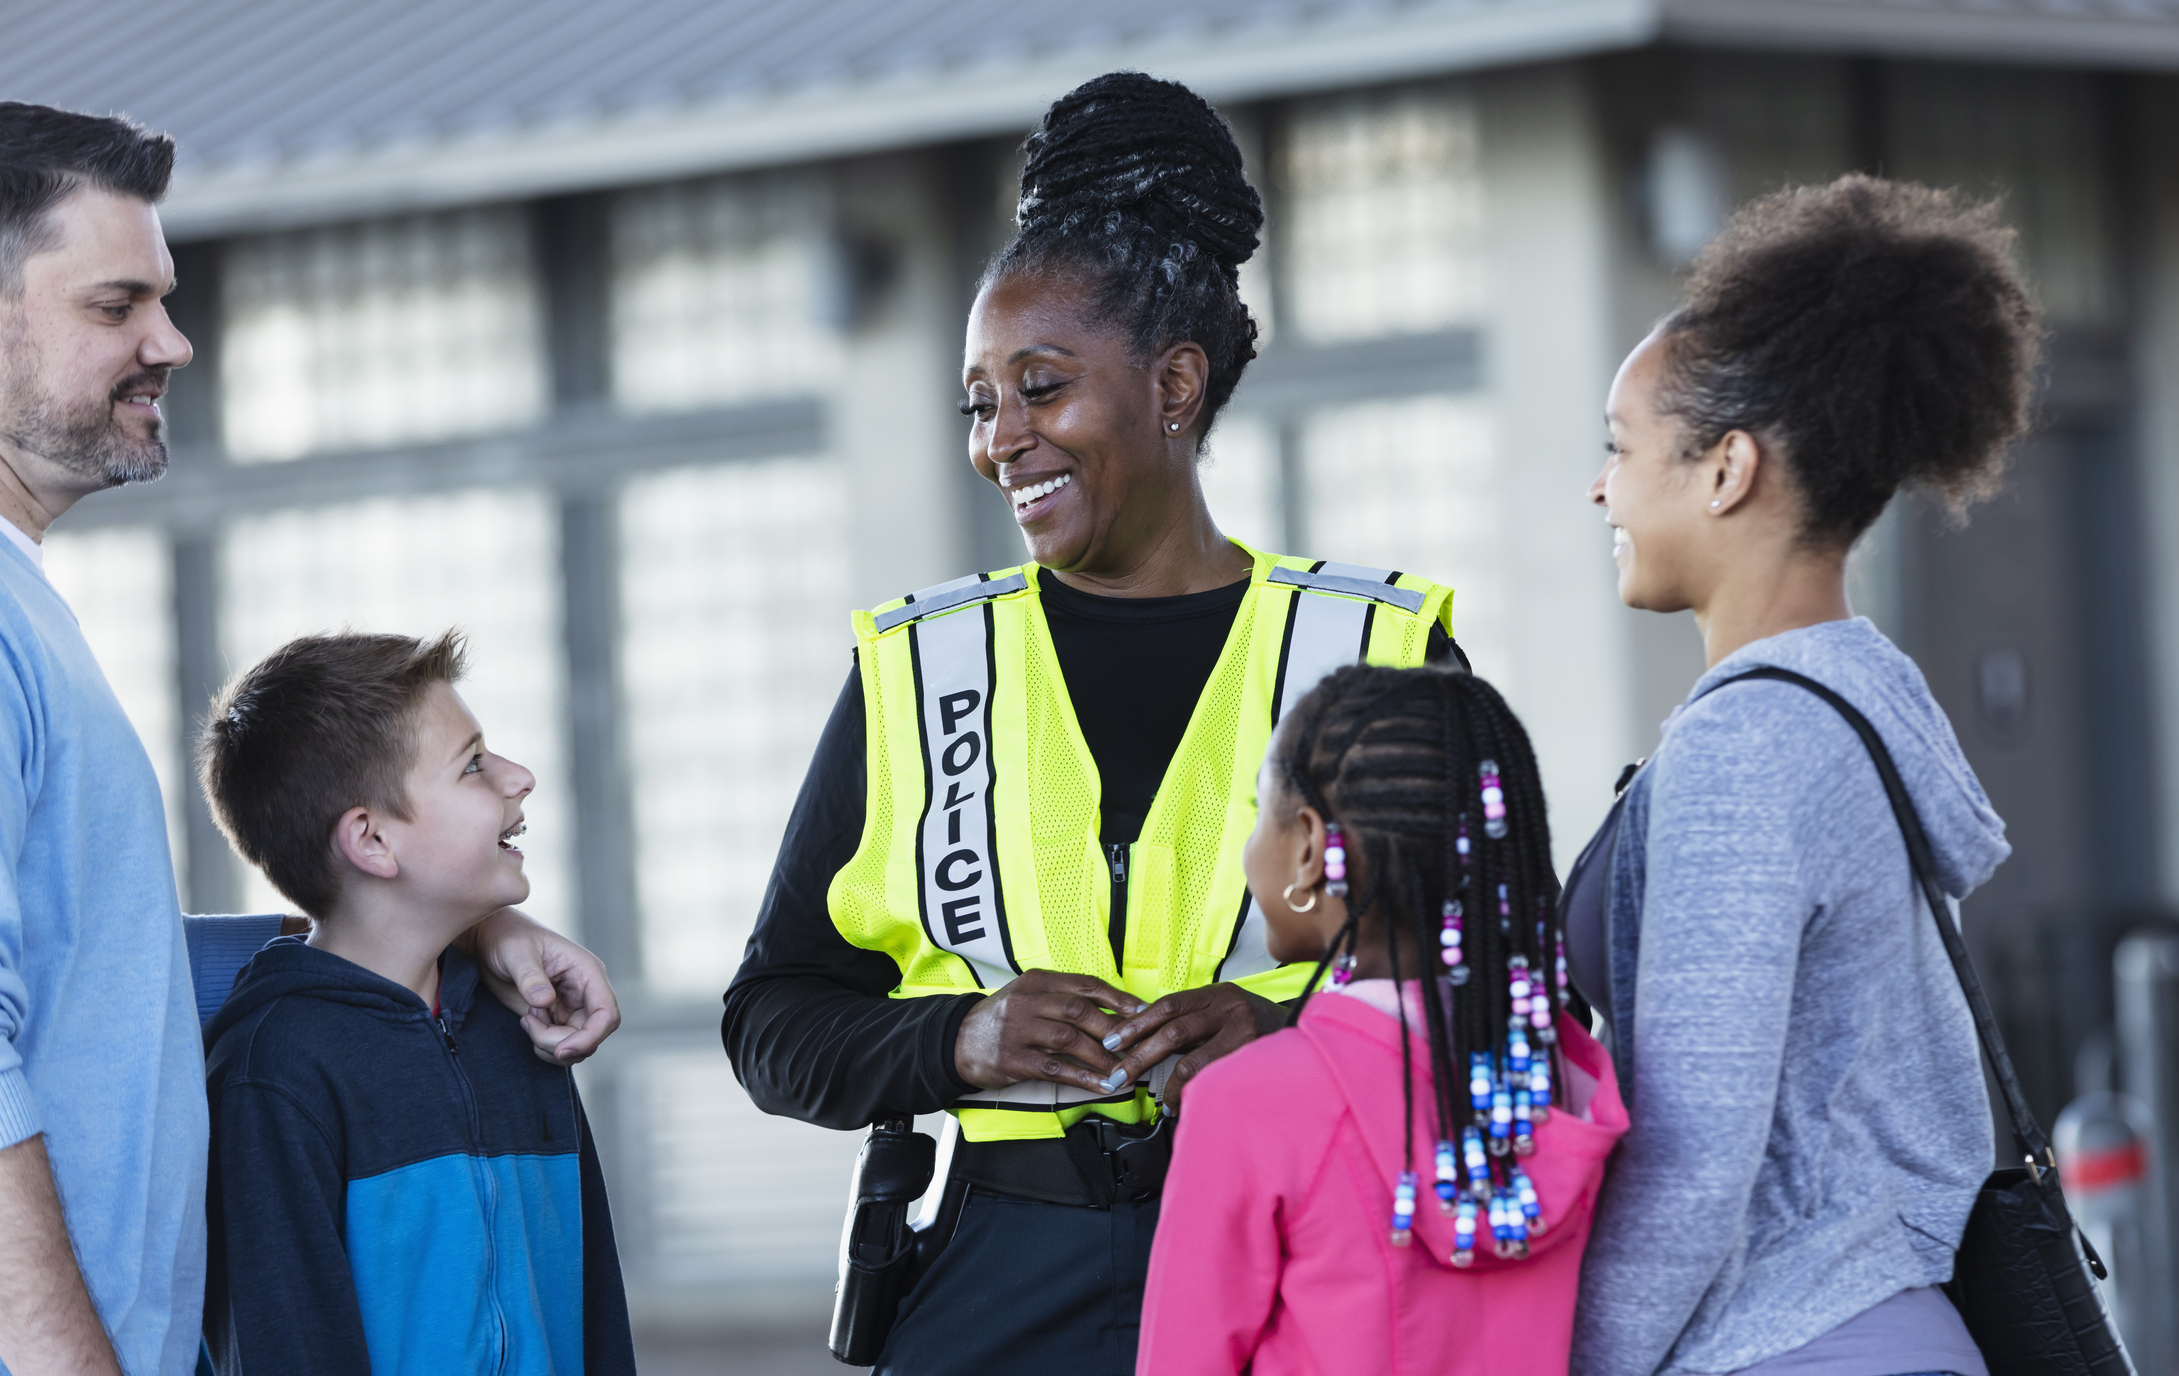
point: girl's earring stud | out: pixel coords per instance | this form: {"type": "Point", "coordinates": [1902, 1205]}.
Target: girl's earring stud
{"type": "Point", "coordinates": [1175, 425]}
{"type": "Point", "coordinates": [1713, 506]}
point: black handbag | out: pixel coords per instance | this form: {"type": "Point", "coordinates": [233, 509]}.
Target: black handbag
{"type": "Point", "coordinates": [2026, 1291]}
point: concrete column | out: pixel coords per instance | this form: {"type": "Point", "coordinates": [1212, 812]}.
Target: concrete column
{"type": "Point", "coordinates": [895, 428]}
{"type": "Point", "coordinates": [1550, 354]}
{"type": "Point", "coordinates": [2155, 191]}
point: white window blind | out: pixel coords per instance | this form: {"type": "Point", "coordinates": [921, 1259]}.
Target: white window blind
{"type": "Point", "coordinates": [120, 584]}
{"type": "Point", "coordinates": [1384, 216]}
{"type": "Point", "coordinates": [720, 291]}
{"type": "Point", "coordinates": [736, 642]}
{"type": "Point", "coordinates": [1412, 485]}
{"type": "Point", "coordinates": [386, 332]}
{"type": "Point", "coordinates": [732, 1193]}
{"type": "Point", "coordinates": [1240, 476]}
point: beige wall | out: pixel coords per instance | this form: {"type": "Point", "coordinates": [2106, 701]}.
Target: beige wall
{"type": "Point", "coordinates": [891, 406]}
{"type": "Point", "coordinates": [1550, 354]}
{"type": "Point", "coordinates": [2156, 300]}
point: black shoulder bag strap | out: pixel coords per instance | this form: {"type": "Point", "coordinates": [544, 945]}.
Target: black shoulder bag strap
{"type": "Point", "coordinates": [2028, 1134]}
{"type": "Point", "coordinates": [2018, 1282]}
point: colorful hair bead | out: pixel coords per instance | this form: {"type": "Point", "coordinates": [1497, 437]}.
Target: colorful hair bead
{"type": "Point", "coordinates": [1505, 912]}
{"type": "Point", "coordinates": [1494, 800]}
{"type": "Point", "coordinates": [1464, 1235]}
{"type": "Point", "coordinates": [1448, 1181]}
{"type": "Point", "coordinates": [1524, 1122]}
{"type": "Point", "coordinates": [1477, 1160]}
{"type": "Point", "coordinates": [1335, 860]}
{"type": "Point", "coordinates": [1509, 1226]}
{"type": "Point", "coordinates": [1501, 1118]}
{"type": "Point", "coordinates": [1449, 937]}
{"type": "Point", "coordinates": [1403, 1210]}
{"type": "Point", "coordinates": [1524, 1193]}
{"type": "Point", "coordinates": [1461, 844]}
{"type": "Point", "coordinates": [1539, 1088]}
{"type": "Point", "coordinates": [1517, 1053]}
{"type": "Point", "coordinates": [1343, 969]}
{"type": "Point", "coordinates": [1519, 987]}
{"type": "Point", "coordinates": [1479, 1084]}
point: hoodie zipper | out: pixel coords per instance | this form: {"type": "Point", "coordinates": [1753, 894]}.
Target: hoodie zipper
{"type": "Point", "coordinates": [486, 1187]}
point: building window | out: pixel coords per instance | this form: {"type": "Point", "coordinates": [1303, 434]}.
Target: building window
{"type": "Point", "coordinates": [388, 332]}
{"type": "Point", "coordinates": [720, 291]}
{"type": "Point", "coordinates": [487, 562]}
{"type": "Point", "coordinates": [120, 584]}
{"type": "Point", "coordinates": [2036, 139]}
{"type": "Point", "coordinates": [1240, 476]}
{"type": "Point", "coordinates": [736, 643]}
{"type": "Point", "coordinates": [1383, 222]}
{"type": "Point", "coordinates": [731, 1192]}
{"type": "Point", "coordinates": [1412, 485]}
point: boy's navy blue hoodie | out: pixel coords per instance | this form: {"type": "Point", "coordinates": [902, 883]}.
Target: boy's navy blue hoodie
{"type": "Point", "coordinates": [393, 1192]}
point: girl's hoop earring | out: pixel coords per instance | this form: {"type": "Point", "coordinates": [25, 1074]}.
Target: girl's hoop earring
{"type": "Point", "coordinates": [1289, 897]}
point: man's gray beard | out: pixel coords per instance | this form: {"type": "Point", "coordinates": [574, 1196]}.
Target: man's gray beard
{"type": "Point", "coordinates": [88, 441]}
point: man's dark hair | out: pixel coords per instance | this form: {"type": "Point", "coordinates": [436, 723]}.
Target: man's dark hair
{"type": "Point", "coordinates": [1878, 332]}
{"type": "Point", "coordinates": [1135, 185]}
{"type": "Point", "coordinates": [46, 154]}
{"type": "Point", "coordinates": [319, 726]}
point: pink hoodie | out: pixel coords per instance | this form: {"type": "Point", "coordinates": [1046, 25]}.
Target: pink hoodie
{"type": "Point", "coordinates": [1273, 1251]}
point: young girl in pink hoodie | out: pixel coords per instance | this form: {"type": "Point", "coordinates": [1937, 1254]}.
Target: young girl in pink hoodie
{"type": "Point", "coordinates": [1399, 1182]}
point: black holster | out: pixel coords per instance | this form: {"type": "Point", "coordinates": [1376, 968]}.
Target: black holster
{"type": "Point", "coordinates": [882, 1253]}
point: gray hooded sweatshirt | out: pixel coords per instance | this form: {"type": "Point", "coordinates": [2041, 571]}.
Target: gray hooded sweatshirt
{"type": "Point", "coordinates": [1809, 1120]}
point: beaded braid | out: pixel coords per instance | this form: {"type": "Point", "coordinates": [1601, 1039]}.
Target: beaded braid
{"type": "Point", "coordinates": [1431, 777]}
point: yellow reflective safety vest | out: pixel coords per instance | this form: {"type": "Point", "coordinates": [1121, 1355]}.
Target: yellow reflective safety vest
{"type": "Point", "coordinates": [980, 855]}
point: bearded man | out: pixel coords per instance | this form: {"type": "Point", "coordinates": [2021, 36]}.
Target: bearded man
{"type": "Point", "coordinates": [102, 1112]}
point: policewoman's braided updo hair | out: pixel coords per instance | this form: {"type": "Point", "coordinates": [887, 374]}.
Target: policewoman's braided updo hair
{"type": "Point", "coordinates": [1135, 186]}
{"type": "Point", "coordinates": [1430, 776]}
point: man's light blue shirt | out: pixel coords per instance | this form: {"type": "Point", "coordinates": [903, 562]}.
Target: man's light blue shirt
{"type": "Point", "coordinates": [99, 1042]}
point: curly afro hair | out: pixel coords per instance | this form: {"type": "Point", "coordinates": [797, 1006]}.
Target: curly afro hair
{"type": "Point", "coordinates": [1878, 332]}
{"type": "Point", "coordinates": [1135, 185]}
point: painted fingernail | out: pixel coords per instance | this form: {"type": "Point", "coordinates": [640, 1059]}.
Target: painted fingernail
{"type": "Point", "coordinates": [1111, 1083]}
{"type": "Point", "coordinates": [1112, 1043]}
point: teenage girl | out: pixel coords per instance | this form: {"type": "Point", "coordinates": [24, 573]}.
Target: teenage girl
{"type": "Point", "coordinates": [1811, 1128]}
{"type": "Point", "coordinates": [1402, 1181]}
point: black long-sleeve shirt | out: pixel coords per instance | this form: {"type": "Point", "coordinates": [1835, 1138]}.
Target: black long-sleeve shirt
{"type": "Point", "coordinates": [808, 1025]}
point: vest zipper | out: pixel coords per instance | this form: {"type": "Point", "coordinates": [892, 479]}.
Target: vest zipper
{"type": "Point", "coordinates": [483, 1175]}
{"type": "Point", "coordinates": [1117, 855]}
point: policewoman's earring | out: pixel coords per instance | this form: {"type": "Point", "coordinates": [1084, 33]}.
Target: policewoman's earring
{"type": "Point", "coordinates": [1172, 425]}
{"type": "Point", "coordinates": [1713, 506]}
{"type": "Point", "coordinates": [1289, 897]}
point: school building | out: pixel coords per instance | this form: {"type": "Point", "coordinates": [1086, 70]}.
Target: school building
{"type": "Point", "coordinates": [626, 336]}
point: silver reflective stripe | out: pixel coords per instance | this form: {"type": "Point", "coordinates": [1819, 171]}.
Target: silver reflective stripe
{"type": "Point", "coordinates": [1042, 1096]}
{"type": "Point", "coordinates": [1328, 632]}
{"type": "Point", "coordinates": [947, 596]}
{"type": "Point", "coordinates": [960, 876]}
{"type": "Point", "coordinates": [1351, 581]}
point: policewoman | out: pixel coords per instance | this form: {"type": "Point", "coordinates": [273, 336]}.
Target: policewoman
{"type": "Point", "coordinates": [1011, 887]}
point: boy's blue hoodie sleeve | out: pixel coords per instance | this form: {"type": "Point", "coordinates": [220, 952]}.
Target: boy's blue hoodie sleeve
{"type": "Point", "coordinates": [281, 1298]}
{"type": "Point", "coordinates": [608, 1346]}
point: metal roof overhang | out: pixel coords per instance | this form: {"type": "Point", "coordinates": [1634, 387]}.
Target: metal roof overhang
{"type": "Point", "coordinates": [935, 106]}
